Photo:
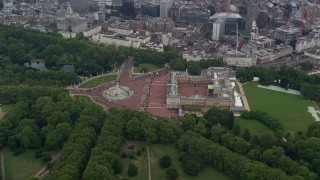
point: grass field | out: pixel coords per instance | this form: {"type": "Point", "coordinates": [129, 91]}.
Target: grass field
{"type": "Point", "coordinates": [159, 150]}
{"type": "Point", "coordinates": [255, 127]}
{"type": "Point", "coordinates": [99, 80]}
{"type": "Point", "coordinates": [145, 67]}
{"type": "Point", "coordinates": [290, 110]}
{"type": "Point", "coordinates": [21, 167]}
{"type": "Point", "coordinates": [86, 99]}
{"type": "Point", "coordinates": [140, 161]}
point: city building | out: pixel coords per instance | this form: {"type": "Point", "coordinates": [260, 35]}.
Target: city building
{"type": "Point", "coordinates": [224, 24]}
{"type": "Point", "coordinates": [188, 11]}
{"type": "Point", "coordinates": [71, 22]}
{"type": "Point", "coordinates": [92, 31]}
{"type": "Point", "coordinates": [80, 6]}
{"type": "Point", "coordinates": [308, 42]}
{"type": "Point", "coordinates": [313, 53]}
{"type": "Point", "coordinates": [165, 6]}
{"type": "Point", "coordinates": [214, 88]}
{"type": "Point", "coordinates": [287, 35]}
{"type": "Point", "coordinates": [268, 55]}
{"type": "Point", "coordinates": [128, 8]}
{"type": "Point", "coordinates": [150, 8]}
{"type": "Point", "coordinates": [159, 24]}
{"type": "Point", "coordinates": [239, 59]}
{"type": "Point", "coordinates": [115, 39]}
{"type": "Point", "coordinates": [120, 29]}
{"type": "Point", "coordinates": [67, 35]}
{"type": "Point", "coordinates": [102, 3]}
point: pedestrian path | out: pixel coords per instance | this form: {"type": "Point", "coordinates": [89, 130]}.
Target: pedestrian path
{"type": "Point", "coordinates": [314, 113]}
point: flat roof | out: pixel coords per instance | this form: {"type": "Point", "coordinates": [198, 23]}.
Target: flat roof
{"type": "Point", "coordinates": [210, 86]}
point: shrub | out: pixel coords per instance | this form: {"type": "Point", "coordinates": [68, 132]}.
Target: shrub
{"type": "Point", "coordinates": [131, 156]}
{"type": "Point", "coordinates": [143, 149]}
{"type": "Point", "coordinates": [138, 153]}
{"type": "Point", "coordinates": [172, 174]}
{"type": "Point", "coordinates": [236, 130]}
{"type": "Point", "coordinates": [132, 170]}
{"type": "Point", "coordinates": [46, 156]}
{"type": "Point", "coordinates": [117, 166]}
{"type": "Point", "coordinates": [124, 155]}
{"type": "Point", "coordinates": [18, 151]}
{"type": "Point", "coordinates": [165, 161]}
{"type": "Point", "coordinates": [38, 154]}
{"type": "Point", "coordinates": [191, 165]}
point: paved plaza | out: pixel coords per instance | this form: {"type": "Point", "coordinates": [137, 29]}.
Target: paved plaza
{"type": "Point", "coordinates": [146, 92]}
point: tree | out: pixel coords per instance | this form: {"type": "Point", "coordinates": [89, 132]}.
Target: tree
{"type": "Point", "coordinates": [134, 130]}
{"type": "Point", "coordinates": [271, 156]}
{"type": "Point", "coordinates": [165, 131]}
{"type": "Point", "coordinates": [29, 138]}
{"type": "Point", "coordinates": [165, 161]}
{"type": "Point", "coordinates": [191, 165]}
{"type": "Point", "coordinates": [132, 170]}
{"type": "Point", "coordinates": [194, 68]}
{"type": "Point", "coordinates": [97, 172]}
{"type": "Point", "coordinates": [178, 64]}
{"type": "Point", "coordinates": [55, 138]}
{"type": "Point", "coordinates": [219, 116]}
{"type": "Point", "coordinates": [306, 66]}
{"type": "Point", "coordinates": [246, 134]}
{"type": "Point", "coordinates": [254, 154]}
{"type": "Point", "coordinates": [188, 122]}
{"type": "Point", "coordinates": [288, 165]}
{"type": "Point", "coordinates": [236, 130]}
{"type": "Point", "coordinates": [284, 82]}
{"type": "Point", "coordinates": [314, 130]}
{"type": "Point", "coordinates": [200, 128]}
{"type": "Point", "coordinates": [117, 166]}
{"type": "Point", "coordinates": [216, 133]}
{"type": "Point", "coordinates": [172, 174]}
{"type": "Point", "coordinates": [150, 131]}
{"type": "Point", "coordinates": [16, 53]}
{"type": "Point", "coordinates": [267, 141]}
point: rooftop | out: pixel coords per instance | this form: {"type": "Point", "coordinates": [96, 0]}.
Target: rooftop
{"type": "Point", "coordinates": [224, 15]}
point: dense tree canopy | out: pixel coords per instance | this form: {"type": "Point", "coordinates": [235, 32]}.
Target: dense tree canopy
{"type": "Point", "coordinates": [194, 67]}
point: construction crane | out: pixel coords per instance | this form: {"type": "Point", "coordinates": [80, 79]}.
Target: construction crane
{"type": "Point", "coordinates": [313, 15]}
{"type": "Point", "coordinates": [228, 6]}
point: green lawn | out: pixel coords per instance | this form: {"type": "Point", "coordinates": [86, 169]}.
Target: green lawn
{"type": "Point", "coordinates": [159, 150]}
{"type": "Point", "coordinates": [98, 81]}
{"type": "Point", "coordinates": [140, 161]}
{"type": "Point", "coordinates": [22, 166]}
{"type": "Point", "coordinates": [289, 109]}
{"type": "Point", "coordinates": [84, 99]}
{"type": "Point", "coordinates": [255, 127]}
{"type": "Point", "coordinates": [145, 67]}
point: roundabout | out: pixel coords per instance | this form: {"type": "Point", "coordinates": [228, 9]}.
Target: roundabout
{"type": "Point", "coordinates": [117, 93]}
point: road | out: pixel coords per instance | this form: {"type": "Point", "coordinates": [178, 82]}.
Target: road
{"type": "Point", "coordinates": [243, 96]}
{"type": "Point", "coordinates": [44, 170]}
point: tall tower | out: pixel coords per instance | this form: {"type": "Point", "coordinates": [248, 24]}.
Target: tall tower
{"type": "Point", "coordinates": [250, 16]}
{"type": "Point", "coordinates": [80, 6]}
{"type": "Point", "coordinates": [165, 6]}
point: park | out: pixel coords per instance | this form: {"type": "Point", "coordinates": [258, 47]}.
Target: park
{"type": "Point", "coordinates": [291, 110]}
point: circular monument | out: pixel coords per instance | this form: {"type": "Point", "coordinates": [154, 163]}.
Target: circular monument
{"type": "Point", "coordinates": [117, 93]}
